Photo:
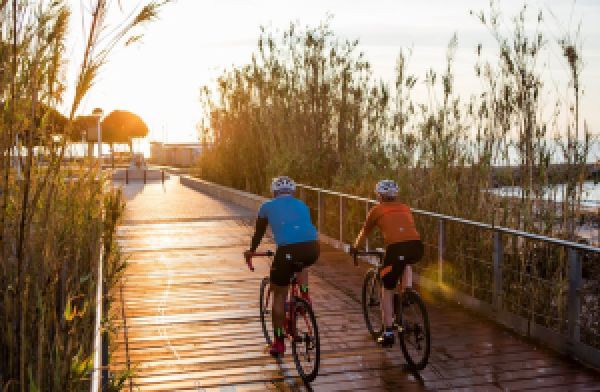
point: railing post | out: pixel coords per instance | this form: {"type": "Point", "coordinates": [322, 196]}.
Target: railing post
{"type": "Point", "coordinates": [498, 258]}
{"type": "Point", "coordinates": [366, 214]}
{"type": "Point", "coordinates": [105, 342]}
{"type": "Point", "coordinates": [302, 195]}
{"type": "Point", "coordinates": [100, 338]}
{"type": "Point", "coordinates": [574, 305]}
{"type": "Point", "coordinates": [341, 222]}
{"type": "Point", "coordinates": [320, 212]}
{"type": "Point", "coordinates": [441, 248]}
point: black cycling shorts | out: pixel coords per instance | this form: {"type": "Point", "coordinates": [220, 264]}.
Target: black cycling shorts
{"type": "Point", "coordinates": [293, 258]}
{"type": "Point", "coordinates": [397, 256]}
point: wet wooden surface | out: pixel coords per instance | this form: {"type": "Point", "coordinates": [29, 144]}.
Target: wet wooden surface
{"type": "Point", "coordinates": [192, 318]}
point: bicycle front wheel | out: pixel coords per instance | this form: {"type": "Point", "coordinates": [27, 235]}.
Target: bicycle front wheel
{"type": "Point", "coordinates": [306, 348]}
{"type": "Point", "coordinates": [371, 297]}
{"type": "Point", "coordinates": [266, 299]}
{"type": "Point", "coordinates": [414, 333]}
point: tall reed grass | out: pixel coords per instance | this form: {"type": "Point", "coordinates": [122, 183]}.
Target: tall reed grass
{"type": "Point", "coordinates": [306, 104]}
{"type": "Point", "coordinates": [53, 215]}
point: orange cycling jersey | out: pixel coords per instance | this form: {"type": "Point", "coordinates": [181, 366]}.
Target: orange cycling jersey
{"type": "Point", "coordinates": [394, 220]}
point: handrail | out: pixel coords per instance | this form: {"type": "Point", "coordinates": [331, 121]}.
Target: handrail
{"type": "Point", "coordinates": [99, 377]}
{"type": "Point", "coordinates": [98, 344]}
{"type": "Point", "coordinates": [487, 226]}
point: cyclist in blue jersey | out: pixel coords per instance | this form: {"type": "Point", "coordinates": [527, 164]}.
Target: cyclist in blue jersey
{"type": "Point", "coordinates": [297, 248]}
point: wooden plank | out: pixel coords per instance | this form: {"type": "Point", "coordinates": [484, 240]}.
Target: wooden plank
{"type": "Point", "coordinates": [192, 309]}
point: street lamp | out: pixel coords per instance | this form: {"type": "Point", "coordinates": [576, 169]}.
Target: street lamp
{"type": "Point", "coordinates": [97, 112]}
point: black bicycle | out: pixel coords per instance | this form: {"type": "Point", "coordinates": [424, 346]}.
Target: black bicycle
{"type": "Point", "coordinates": [300, 323]}
{"type": "Point", "coordinates": [410, 315]}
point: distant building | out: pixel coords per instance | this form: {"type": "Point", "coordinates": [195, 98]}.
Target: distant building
{"type": "Point", "coordinates": [175, 154]}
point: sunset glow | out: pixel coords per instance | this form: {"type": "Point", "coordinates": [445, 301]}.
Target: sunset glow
{"type": "Point", "coordinates": [160, 77]}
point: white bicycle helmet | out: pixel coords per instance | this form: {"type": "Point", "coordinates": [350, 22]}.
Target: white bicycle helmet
{"type": "Point", "coordinates": [283, 184]}
{"type": "Point", "coordinates": [387, 188]}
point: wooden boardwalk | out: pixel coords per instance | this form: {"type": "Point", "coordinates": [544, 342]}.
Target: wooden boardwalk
{"type": "Point", "coordinates": [192, 322]}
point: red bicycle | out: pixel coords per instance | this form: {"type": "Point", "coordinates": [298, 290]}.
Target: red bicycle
{"type": "Point", "coordinates": [300, 323]}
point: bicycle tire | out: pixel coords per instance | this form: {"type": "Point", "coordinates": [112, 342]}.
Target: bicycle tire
{"type": "Point", "coordinates": [417, 331]}
{"type": "Point", "coordinates": [265, 298]}
{"type": "Point", "coordinates": [372, 311]}
{"type": "Point", "coordinates": [305, 314]}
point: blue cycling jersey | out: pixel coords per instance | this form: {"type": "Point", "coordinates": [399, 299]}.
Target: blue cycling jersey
{"type": "Point", "coordinates": [289, 219]}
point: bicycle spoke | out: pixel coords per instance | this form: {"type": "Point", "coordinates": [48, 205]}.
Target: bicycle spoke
{"type": "Point", "coordinates": [414, 334]}
{"type": "Point", "coordinates": [305, 343]}
{"type": "Point", "coordinates": [371, 303]}
{"type": "Point", "coordinates": [265, 309]}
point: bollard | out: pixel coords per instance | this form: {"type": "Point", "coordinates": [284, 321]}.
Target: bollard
{"type": "Point", "coordinates": [163, 176]}
{"type": "Point", "coordinates": [126, 176]}
{"type": "Point", "coordinates": [144, 176]}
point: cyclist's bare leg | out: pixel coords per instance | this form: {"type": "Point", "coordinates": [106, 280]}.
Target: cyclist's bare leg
{"type": "Point", "coordinates": [387, 307]}
{"type": "Point", "coordinates": [302, 277]}
{"type": "Point", "coordinates": [407, 279]}
{"type": "Point", "coordinates": [278, 309]}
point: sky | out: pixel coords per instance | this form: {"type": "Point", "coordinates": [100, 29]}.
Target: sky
{"type": "Point", "coordinates": [195, 40]}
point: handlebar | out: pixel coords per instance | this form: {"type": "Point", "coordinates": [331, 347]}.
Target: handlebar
{"type": "Point", "coordinates": [357, 253]}
{"type": "Point", "coordinates": [250, 255]}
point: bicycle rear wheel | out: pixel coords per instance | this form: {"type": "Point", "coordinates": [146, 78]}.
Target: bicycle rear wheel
{"type": "Point", "coordinates": [414, 333]}
{"type": "Point", "coordinates": [266, 299]}
{"type": "Point", "coordinates": [371, 297]}
{"type": "Point", "coordinates": [306, 348]}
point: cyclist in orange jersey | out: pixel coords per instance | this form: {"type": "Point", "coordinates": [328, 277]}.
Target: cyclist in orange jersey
{"type": "Point", "coordinates": [403, 247]}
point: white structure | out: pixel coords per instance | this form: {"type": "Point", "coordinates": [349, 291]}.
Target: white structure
{"type": "Point", "coordinates": [175, 154]}
{"type": "Point", "coordinates": [137, 161]}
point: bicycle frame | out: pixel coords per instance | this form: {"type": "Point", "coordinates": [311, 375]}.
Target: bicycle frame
{"type": "Point", "coordinates": [380, 255]}
{"type": "Point", "coordinates": [293, 293]}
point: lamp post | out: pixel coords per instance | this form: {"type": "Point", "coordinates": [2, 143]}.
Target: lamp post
{"type": "Point", "coordinates": [97, 112]}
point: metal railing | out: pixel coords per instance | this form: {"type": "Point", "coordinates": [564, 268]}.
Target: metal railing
{"type": "Point", "coordinates": [145, 179]}
{"type": "Point", "coordinates": [529, 282]}
{"type": "Point", "coordinates": [100, 355]}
